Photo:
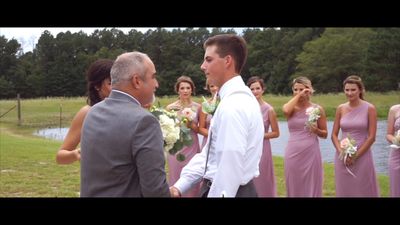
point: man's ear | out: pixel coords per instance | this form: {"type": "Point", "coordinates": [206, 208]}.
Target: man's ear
{"type": "Point", "coordinates": [136, 81]}
{"type": "Point", "coordinates": [228, 60]}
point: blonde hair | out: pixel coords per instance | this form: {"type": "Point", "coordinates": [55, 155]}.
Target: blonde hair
{"type": "Point", "coordinates": [304, 81]}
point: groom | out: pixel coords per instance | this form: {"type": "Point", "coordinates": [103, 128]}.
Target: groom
{"type": "Point", "coordinates": [229, 161]}
{"type": "Point", "coordinates": [122, 143]}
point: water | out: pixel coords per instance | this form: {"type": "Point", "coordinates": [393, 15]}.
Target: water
{"type": "Point", "coordinates": [380, 149]}
{"type": "Point", "coordinates": [53, 133]}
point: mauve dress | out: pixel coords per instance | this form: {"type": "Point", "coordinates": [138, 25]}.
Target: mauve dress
{"type": "Point", "coordinates": [265, 182]}
{"type": "Point", "coordinates": [208, 121]}
{"type": "Point", "coordinates": [303, 162]}
{"type": "Point", "coordinates": [175, 166]}
{"type": "Point", "coordinates": [394, 164]}
{"type": "Point", "coordinates": [364, 184]}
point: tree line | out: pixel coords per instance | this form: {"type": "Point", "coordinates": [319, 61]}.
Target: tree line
{"type": "Point", "coordinates": [57, 65]}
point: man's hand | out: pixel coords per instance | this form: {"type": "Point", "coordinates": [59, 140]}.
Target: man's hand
{"type": "Point", "coordinates": [175, 193]}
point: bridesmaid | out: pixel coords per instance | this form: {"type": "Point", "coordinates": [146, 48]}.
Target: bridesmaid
{"type": "Point", "coordinates": [205, 119]}
{"type": "Point", "coordinates": [302, 161]}
{"type": "Point", "coordinates": [358, 119]}
{"type": "Point", "coordinates": [98, 87]}
{"type": "Point", "coordinates": [394, 158]}
{"type": "Point", "coordinates": [185, 88]}
{"type": "Point", "coordinates": [265, 182]}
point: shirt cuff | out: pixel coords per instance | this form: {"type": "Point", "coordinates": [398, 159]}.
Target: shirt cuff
{"type": "Point", "coordinates": [182, 185]}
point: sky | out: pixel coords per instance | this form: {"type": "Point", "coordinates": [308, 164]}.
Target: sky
{"type": "Point", "coordinates": [29, 36]}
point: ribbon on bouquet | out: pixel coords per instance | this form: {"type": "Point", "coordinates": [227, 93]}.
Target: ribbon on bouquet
{"type": "Point", "coordinates": [347, 168]}
{"type": "Point", "coordinates": [395, 147]}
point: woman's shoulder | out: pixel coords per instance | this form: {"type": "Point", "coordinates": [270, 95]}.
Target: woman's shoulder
{"type": "Point", "coordinates": [267, 106]}
{"type": "Point", "coordinates": [81, 114]}
{"type": "Point", "coordinates": [84, 110]}
{"type": "Point", "coordinates": [172, 105]}
{"type": "Point", "coordinates": [196, 104]}
{"type": "Point", "coordinates": [343, 105]}
{"type": "Point", "coordinates": [395, 107]}
{"type": "Point", "coordinates": [369, 104]}
{"type": "Point", "coordinates": [316, 105]}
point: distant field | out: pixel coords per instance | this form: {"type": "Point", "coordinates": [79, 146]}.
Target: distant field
{"type": "Point", "coordinates": [45, 112]}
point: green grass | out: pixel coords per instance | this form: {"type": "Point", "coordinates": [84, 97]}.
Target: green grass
{"type": "Point", "coordinates": [28, 168]}
{"type": "Point", "coordinates": [27, 162]}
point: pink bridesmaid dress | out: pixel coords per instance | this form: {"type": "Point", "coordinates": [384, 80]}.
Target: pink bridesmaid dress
{"type": "Point", "coordinates": [363, 183]}
{"type": "Point", "coordinates": [302, 160]}
{"type": "Point", "coordinates": [265, 182]}
{"type": "Point", "coordinates": [208, 121]}
{"type": "Point", "coordinates": [394, 164]}
{"type": "Point", "coordinates": [175, 166]}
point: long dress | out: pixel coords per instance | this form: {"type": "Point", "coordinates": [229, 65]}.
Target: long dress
{"type": "Point", "coordinates": [303, 162]}
{"type": "Point", "coordinates": [364, 184]}
{"type": "Point", "coordinates": [394, 162]}
{"type": "Point", "coordinates": [265, 182]}
{"type": "Point", "coordinates": [175, 166]}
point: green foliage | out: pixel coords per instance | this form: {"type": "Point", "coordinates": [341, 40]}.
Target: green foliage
{"type": "Point", "coordinates": [382, 60]}
{"type": "Point", "coordinates": [57, 65]}
{"type": "Point", "coordinates": [328, 60]}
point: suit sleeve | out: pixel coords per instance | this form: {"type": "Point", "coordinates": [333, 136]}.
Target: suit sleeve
{"type": "Point", "coordinates": [150, 158]}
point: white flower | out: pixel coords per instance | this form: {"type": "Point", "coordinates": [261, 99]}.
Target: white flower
{"type": "Point", "coordinates": [175, 134]}
{"type": "Point", "coordinates": [396, 140]}
{"type": "Point", "coordinates": [169, 130]}
{"type": "Point", "coordinates": [349, 148]}
{"type": "Point", "coordinates": [313, 114]}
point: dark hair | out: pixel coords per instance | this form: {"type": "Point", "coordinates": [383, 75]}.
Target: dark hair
{"type": "Point", "coordinates": [254, 79]}
{"type": "Point", "coordinates": [187, 80]}
{"type": "Point", "coordinates": [230, 44]}
{"type": "Point", "coordinates": [98, 71]}
{"type": "Point", "coordinates": [354, 79]}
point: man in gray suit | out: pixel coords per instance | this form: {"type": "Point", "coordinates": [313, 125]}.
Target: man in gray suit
{"type": "Point", "coordinates": [122, 144]}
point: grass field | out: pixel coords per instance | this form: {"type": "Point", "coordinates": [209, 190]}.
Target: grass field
{"type": "Point", "coordinates": [27, 162]}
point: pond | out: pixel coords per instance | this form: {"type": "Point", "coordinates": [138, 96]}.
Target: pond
{"type": "Point", "coordinates": [380, 148]}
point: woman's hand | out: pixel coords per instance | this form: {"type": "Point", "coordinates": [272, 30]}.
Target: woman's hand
{"type": "Point", "coordinates": [313, 128]}
{"type": "Point", "coordinates": [305, 92]}
{"type": "Point", "coordinates": [78, 153]}
{"type": "Point", "coordinates": [350, 160]}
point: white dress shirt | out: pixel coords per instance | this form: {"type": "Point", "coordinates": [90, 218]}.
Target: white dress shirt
{"type": "Point", "coordinates": [237, 131]}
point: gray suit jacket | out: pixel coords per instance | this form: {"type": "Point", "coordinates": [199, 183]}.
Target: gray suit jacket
{"type": "Point", "coordinates": [122, 151]}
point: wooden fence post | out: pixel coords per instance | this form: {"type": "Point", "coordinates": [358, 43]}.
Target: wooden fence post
{"type": "Point", "coordinates": [19, 109]}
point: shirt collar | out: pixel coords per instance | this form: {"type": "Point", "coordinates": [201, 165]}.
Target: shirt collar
{"type": "Point", "coordinates": [127, 95]}
{"type": "Point", "coordinates": [229, 86]}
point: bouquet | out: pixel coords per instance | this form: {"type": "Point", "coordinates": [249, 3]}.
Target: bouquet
{"type": "Point", "coordinates": [349, 148]}
{"type": "Point", "coordinates": [187, 115]}
{"type": "Point", "coordinates": [209, 107]}
{"type": "Point", "coordinates": [396, 140]}
{"type": "Point", "coordinates": [175, 133]}
{"type": "Point", "coordinates": [313, 114]}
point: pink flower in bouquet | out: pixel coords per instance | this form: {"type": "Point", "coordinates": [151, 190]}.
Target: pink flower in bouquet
{"type": "Point", "coordinates": [348, 149]}
{"type": "Point", "coordinates": [348, 146]}
{"type": "Point", "coordinates": [344, 143]}
{"type": "Point", "coordinates": [188, 114]}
